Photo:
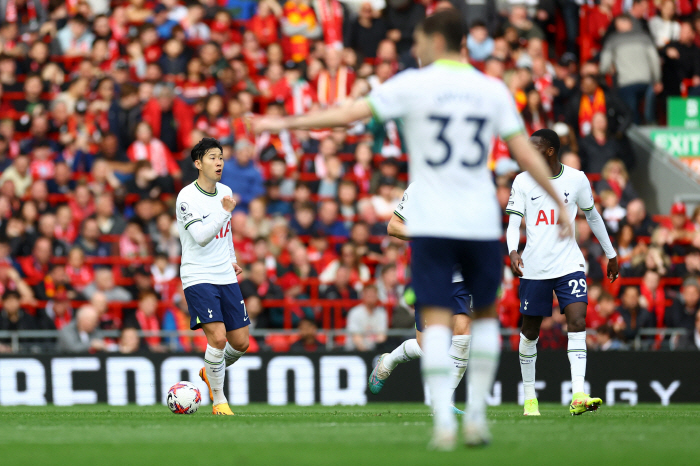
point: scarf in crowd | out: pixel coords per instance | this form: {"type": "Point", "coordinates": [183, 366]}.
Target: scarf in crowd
{"type": "Point", "coordinates": [330, 15]}
{"type": "Point", "coordinates": [589, 108]}
{"type": "Point", "coordinates": [12, 15]}
{"type": "Point", "coordinates": [332, 90]}
{"type": "Point", "coordinates": [155, 152]}
{"type": "Point", "coordinates": [148, 324]}
{"type": "Point", "coordinates": [301, 98]}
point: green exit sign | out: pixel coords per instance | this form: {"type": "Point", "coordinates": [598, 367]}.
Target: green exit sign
{"type": "Point", "coordinates": [684, 113]}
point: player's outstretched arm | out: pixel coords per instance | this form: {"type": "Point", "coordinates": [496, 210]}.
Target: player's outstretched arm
{"type": "Point", "coordinates": [513, 241]}
{"type": "Point", "coordinates": [534, 164]}
{"type": "Point", "coordinates": [595, 221]}
{"type": "Point", "coordinates": [397, 228]}
{"type": "Point", "coordinates": [337, 116]}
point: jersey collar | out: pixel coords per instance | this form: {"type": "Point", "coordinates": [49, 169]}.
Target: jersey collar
{"type": "Point", "coordinates": [453, 64]}
{"type": "Point", "coordinates": [561, 172]}
{"type": "Point", "coordinates": [204, 192]}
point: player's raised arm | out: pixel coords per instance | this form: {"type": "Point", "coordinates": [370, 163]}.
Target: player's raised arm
{"type": "Point", "coordinates": [535, 165]}
{"type": "Point", "coordinates": [337, 116]}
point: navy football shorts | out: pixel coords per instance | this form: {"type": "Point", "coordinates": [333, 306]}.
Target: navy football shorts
{"type": "Point", "coordinates": [216, 303]}
{"type": "Point", "coordinates": [536, 295]}
{"type": "Point", "coordinates": [433, 261]}
{"type": "Point", "coordinates": [461, 304]}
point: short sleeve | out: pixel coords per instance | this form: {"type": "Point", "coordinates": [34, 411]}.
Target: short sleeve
{"type": "Point", "coordinates": [509, 123]}
{"type": "Point", "coordinates": [402, 210]}
{"type": "Point", "coordinates": [389, 101]}
{"type": "Point", "coordinates": [186, 212]}
{"type": "Point", "coordinates": [516, 202]}
{"type": "Point", "coordinates": [584, 196]}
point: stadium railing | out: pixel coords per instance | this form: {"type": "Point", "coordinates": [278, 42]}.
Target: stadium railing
{"type": "Point", "coordinates": [44, 339]}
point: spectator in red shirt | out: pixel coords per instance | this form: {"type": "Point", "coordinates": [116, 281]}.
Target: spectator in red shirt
{"type": "Point", "coordinates": [80, 274]}
{"type": "Point", "coordinates": [213, 122]}
{"type": "Point", "coordinates": [36, 266]}
{"type": "Point", "coordinates": [265, 22]}
{"type": "Point", "coordinates": [146, 319]}
{"type": "Point", "coordinates": [170, 118]}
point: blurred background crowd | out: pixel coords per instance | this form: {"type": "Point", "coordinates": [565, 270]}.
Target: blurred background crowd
{"type": "Point", "coordinates": [100, 101]}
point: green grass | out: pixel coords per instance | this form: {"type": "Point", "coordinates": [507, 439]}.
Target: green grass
{"type": "Point", "coordinates": [386, 434]}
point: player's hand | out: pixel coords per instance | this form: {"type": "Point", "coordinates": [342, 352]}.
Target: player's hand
{"type": "Point", "coordinates": [237, 268]}
{"type": "Point", "coordinates": [516, 264]}
{"type": "Point", "coordinates": [271, 124]}
{"type": "Point", "coordinates": [613, 269]}
{"type": "Point", "coordinates": [228, 203]}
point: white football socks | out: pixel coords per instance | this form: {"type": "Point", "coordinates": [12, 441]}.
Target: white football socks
{"type": "Point", "coordinates": [486, 351]}
{"type": "Point", "coordinates": [577, 358]}
{"type": "Point", "coordinates": [528, 358]}
{"type": "Point", "coordinates": [436, 367]}
{"type": "Point", "coordinates": [231, 355]}
{"type": "Point", "coordinates": [459, 354]}
{"type": "Point", "coordinates": [214, 365]}
{"type": "Point", "coordinates": [406, 351]}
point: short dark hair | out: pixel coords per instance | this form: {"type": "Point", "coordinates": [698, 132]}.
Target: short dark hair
{"type": "Point", "coordinates": [550, 136]}
{"type": "Point", "coordinates": [203, 146]}
{"type": "Point", "coordinates": [449, 25]}
{"type": "Point", "coordinates": [10, 294]}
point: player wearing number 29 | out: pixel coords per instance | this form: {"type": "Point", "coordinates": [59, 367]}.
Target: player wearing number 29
{"type": "Point", "coordinates": [553, 264]}
{"type": "Point", "coordinates": [209, 269]}
{"type": "Point", "coordinates": [451, 113]}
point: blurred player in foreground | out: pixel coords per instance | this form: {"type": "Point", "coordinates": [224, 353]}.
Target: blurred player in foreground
{"type": "Point", "coordinates": [209, 269]}
{"type": "Point", "coordinates": [461, 322]}
{"type": "Point", "coordinates": [553, 264]}
{"type": "Point", "coordinates": [451, 113]}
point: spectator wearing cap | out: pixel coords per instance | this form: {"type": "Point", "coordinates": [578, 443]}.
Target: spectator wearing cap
{"type": "Point", "coordinates": [637, 67]}
{"type": "Point", "coordinates": [682, 312]}
{"type": "Point", "coordinates": [82, 334]}
{"type": "Point", "coordinates": [598, 148]}
{"type": "Point", "coordinates": [677, 230]}
{"type": "Point", "coordinates": [75, 39]}
{"type": "Point", "coordinates": [243, 176]}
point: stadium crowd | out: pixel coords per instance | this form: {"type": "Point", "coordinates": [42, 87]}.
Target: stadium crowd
{"type": "Point", "coordinates": [100, 101]}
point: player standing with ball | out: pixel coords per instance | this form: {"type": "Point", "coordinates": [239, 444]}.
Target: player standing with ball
{"type": "Point", "coordinates": [208, 269]}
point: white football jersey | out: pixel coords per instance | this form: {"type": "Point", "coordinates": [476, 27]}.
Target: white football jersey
{"type": "Point", "coordinates": [211, 263]}
{"type": "Point", "coordinates": [403, 211]}
{"type": "Point", "coordinates": [548, 255]}
{"type": "Point", "coordinates": [451, 112]}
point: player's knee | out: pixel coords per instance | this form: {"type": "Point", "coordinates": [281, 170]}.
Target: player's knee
{"type": "Point", "coordinates": [577, 324]}
{"type": "Point", "coordinates": [241, 346]}
{"type": "Point", "coordinates": [218, 341]}
{"type": "Point", "coordinates": [530, 333]}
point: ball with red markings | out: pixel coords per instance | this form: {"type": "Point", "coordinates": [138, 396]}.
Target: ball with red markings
{"type": "Point", "coordinates": [184, 398]}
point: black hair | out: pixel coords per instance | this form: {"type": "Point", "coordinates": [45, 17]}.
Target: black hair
{"type": "Point", "coordinates": [551, 137]}
{"type": "Point", "coordinates": [449, 25]}
{"type": "Point", "coordinates": [477, 24]}
{"type": "Point", "coordinates": [203, 146]}
{"type": "Point", "coordinates": [10, 294]}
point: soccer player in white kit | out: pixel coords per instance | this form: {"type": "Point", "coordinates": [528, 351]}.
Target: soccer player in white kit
{"type": "Point", "coordinates": [552, 264]}
{"type": "Point", "coordinates": [461, 307]}
{"type": "Point", "coordinates": [208, 269]}
{"type": "Point", "coordinates": [451, 113]}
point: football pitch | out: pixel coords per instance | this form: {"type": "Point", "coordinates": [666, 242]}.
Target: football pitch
{"type": "Point", "coordinates": [376, 434]}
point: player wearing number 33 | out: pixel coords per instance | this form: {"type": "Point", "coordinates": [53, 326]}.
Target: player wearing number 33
{"type": "Point", "coordinates": [209, 269]}
{"type": "Point", "coordinates": [553, 264]}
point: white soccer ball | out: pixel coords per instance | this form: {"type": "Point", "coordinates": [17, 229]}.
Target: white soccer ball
{"type": "Point", "coordinates": [184, 398]}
